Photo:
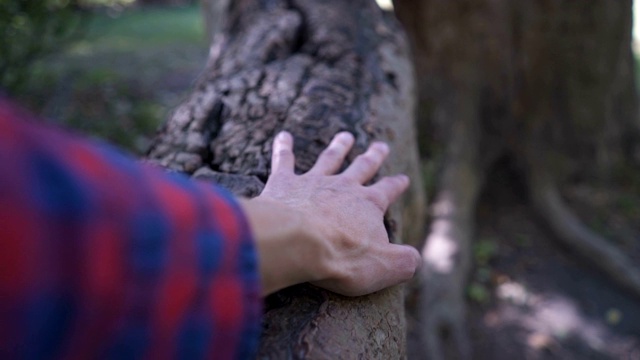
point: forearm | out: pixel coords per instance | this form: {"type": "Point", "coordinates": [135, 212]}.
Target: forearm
{"type": "Point", "coordinates": [105, 257]}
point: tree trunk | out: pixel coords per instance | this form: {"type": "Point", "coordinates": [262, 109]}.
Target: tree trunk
{"type": "Point", "coordinates": [547, 84]}
{"type": "Point", "coordinates": [313, 68]}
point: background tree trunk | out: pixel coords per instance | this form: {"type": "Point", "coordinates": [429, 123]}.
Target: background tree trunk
{"type": "Point", "coordinates": [547, 88]}
{"type": "Point", "coordinates": [313, 68]}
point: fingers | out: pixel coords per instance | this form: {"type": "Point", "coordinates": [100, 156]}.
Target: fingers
{"type": "Point", "coordinates": [332, 157]}
{"type": "Point", "coordinates": [395, 264]}
{"type": "Point", "coordinates": [365, 166]}
{"type": "Point", "coordinates": [282, 159]}
{"type": "Point", "coordinates": [404, 262]}
{"type": "Point", "coordinates": [388, 189]}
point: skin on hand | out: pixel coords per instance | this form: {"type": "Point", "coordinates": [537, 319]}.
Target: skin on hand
{"type": "Point", "coordinates": [327, 228]}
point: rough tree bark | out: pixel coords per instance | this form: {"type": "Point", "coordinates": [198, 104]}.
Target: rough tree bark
{"type": "Point", "coordinates": [548, 85]}
{"type": "Point", "coordinates": [313, 68]}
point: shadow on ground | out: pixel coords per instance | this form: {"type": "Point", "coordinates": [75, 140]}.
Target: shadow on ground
{"type": "Point", "coordinates": [543, 301]}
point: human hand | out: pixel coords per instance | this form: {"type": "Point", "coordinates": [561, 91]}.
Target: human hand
{"type": "Point", "coordinates": [328, 229]}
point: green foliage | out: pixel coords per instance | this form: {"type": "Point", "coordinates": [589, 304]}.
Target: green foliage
{"type": "Point", "coordinates": [484, 250]}
{"type": "Point", "coordinates": [478, 289]}
{"type": "Point", "coordinates": [29, 30]}
{"type": "Point", "coordinates": [146, 27]}
{"type": "Point", "coordinates": [629, 206]}
{"type": "Point", "coordinates": [113, 109]}
{"type": "Point", "coordinates": [430, 175]}
{"type": "Point", "coordinates": [478, 292]}
{"type": "Point", "coordinates": [613, 316]}
{"type": "Point", "coordinates": [522, 240]}
{"type": "Point", "coordinates": [107, 3]}
{"type": "Point", "coordinates": [119, 81]}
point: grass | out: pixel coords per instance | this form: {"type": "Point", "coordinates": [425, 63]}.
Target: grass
{"type": "Point", "coordinates": [119, 81]}
{"type": "Point", "coordinates": [141, 29]}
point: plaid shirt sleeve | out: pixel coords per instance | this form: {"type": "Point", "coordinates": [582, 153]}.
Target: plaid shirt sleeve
{"type": "Point", "coordinates": [103, 257]}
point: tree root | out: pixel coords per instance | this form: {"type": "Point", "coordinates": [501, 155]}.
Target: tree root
{"type": "Point", "coordinates": [446, 253]}
{"type": "Point", "coordinates": [446, 265]}
{"type": "Point", "coordinates": [441, 315]}
{"type": "Point", "coordinates": [546, 200]}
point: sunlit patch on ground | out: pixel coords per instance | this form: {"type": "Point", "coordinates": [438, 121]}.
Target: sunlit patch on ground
{"type": "Point", "coordinates": [441, 249]}
{"type": "Point", "coordinates": [544, 301]}
{"type": "Point", "coordinates": [550, 323]}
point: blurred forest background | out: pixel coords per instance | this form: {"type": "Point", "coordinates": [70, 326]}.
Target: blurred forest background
{"type": "Point", "coordinates": [114, 69]}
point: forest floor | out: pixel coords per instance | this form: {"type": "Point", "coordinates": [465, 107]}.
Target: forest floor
{"type": "Point", "coordinates": [529, 298]}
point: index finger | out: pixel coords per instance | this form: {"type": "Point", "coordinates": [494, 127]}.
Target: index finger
{"type": "Point", "coordinates": [282, 159]}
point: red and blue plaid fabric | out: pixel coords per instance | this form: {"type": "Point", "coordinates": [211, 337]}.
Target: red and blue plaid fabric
{"type": "Point", "coordinates": [103, 257]}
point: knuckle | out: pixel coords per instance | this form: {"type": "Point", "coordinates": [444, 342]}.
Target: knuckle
{"type": "Point", "coordinates": [367, 160]}
{"type": "Point", "coordinates": [340, 142]}
{"type": "Point", "coordinates": [376, 198]}
{"type": "Point", "coordinates": [347, 181]}
{"type": "Point", "coordinates": [347, 243]}
{"type": "Point", "coordinates": [376, 151]}
{"type": "Point", "coordinates": [283, 153]}
{"type": "Point", "coordinates": [331, 153]}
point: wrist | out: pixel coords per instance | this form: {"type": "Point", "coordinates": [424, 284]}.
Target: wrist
{"type": "Point", "coordinates": [289, 251]}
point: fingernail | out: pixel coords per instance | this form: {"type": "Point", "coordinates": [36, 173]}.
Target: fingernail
{"type": "Point", "coordinates": [405, 179]}
{"type": "Point", "coordinates": [283, 135]}
{"type": "Point", "coordinates": [420, 262]}
{"type": "Point", "coordinates": [383, 147]}
{"type": "Point", "coordinates": [344, 136]}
